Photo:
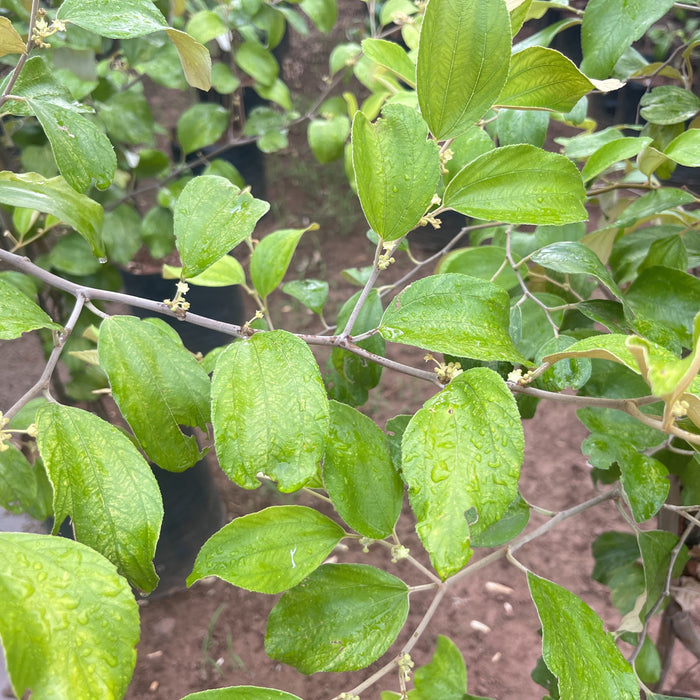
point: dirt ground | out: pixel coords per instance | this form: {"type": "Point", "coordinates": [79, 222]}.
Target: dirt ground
{"type": "Point", "coordinates": [212, 635]}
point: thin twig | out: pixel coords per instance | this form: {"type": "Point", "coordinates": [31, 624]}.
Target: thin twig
{"type": "Point", "coordinates": [345, 333]}
{"type": "Point", "coordinates": [24, 57]}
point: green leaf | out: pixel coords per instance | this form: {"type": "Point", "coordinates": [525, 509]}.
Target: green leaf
{"type": "Point", "coordinates": [101, 480]}
{"type": "Point", "coordinates": [685, 148]}
{"type": "Point", "coordinates": [269, 410]}
{"type": "Point", "coordinates": [212, 216]}
{"type": "Point", "coordinates": [570, 373]}
{"type": "Point", "coordinates": [55, 196]}
{"type": "Point", "coordinates": [545, 79]}
{"type": "Point", "coordinates": [115, 19]}
{"type": "Point", "coordinates": [269, 551]}
{"type": "Point", "coordinates": [24, 487]}
{"type": "Point", "coordinates": [396, 168]}
{"type": "Point", "coordinates": [158, 386]}
{"type": "Point", "coordinates": [10, 40]}
{"type": "Point", "coordinates": [127, 117]}
{"type": "Point", "coordinates": [652, 203]}
{"type": "Point", "coordinates": [511, 524]}
{"type": "Point", "coordinates": [323, 13]}
{"type": "Point", "coordinates": [462, 451]}
{"type": "Point", "coordinates": [670, 297]}
{"type": "Point", "coordinates": [482, 262]}
{"type": "Point", "coordinates": [392, 56]}
{"type": "Point", "coordinates": [613, 551]}
{"type": "Point", "coordinates": [609, 28]}
{"type": "Point", "coordinates": [444, 677]}
{"type": "Point", "coordinates": [194, 58]}
{"type": "Point", "coordinates": [327, 137]}
{"type": "Point", "coordinates": [241, 692]}
{"type": "Point", "coordinates": [201, 125]}
{"type": "Point", "coordinates": [613, 152]}
{"type": "Point", "coordinates": [359, 475]}
{"type": "Point", "coordinates": [341, 618]}
{"type": "Point", "coordinates": [576, 648]}
{"type": "Point", "coordinates": [81, 150]}
{"type": "Point", "coordinates": [669, 104]}
{"type": "Point", "coordinates": [223, 273]}
{"type": "Point", "coordinates": [257, 61]}
{"type": "Point", "coordinates": [455, 314]}
{"type": "Point", "coordinates": [157, 231]}
{"type": "Point", "coordinates": [69, 622]}
{"type": "Point", "coordinates": [571, 257]}
{"type": "Point", "coordinates": [206, 25]}
{"type": "Point", "coordinates": [311, 293]}
{"type": "Point", "coordinates": [610, 346]}
{"type": "Point", "coordinates": [515, 126]}
{"type": "Point", "coordinates": [656, 547]}
{"type": "Point", "coordinates": [463, 60]}
{"type": "Point", "coordinates": [272, 256]}
{"type": "Point", "coordinates": [122, 233]}
{"type": "Point", "coordinates": [223, 80]}
{"type": "Point", "coordinates": [19, 314]}
{"type": "Point", "coordinates": [645, 482]}
{"type": "Point", "coordinates": [519, 185]}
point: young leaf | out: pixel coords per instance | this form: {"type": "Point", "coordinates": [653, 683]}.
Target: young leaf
{"type": "Point", "coordinates": [462, 451]}
{"type": "Point", "coordinates": [545, 79]}
{"type": "Point", "coordinates": [19, 314]}
{"type": "Point", "coordinates": [225, 272]}
{"type": "Point", "coordinates": [327, 137]}
{"type": "Point", "coordinates": [195, 59]}
{"type": "Point", "coordinates": [482, 262]}
{"type": "Point", "coordinates": [158, 386]}
{"type": "Point", "coordinates": [610, 27]}
{"type": "Point", "coordinates": [444, 677]}
{"type": "Point", "coordinates": [269, 551]}
{"type": "Point", "coordinates": [311, 293]}
{"type": "Point", "coordinates": [463, 60]}
{"type": "Point", "coordinates": [241, 692]}
{"type": "Point", "coordinates": [55, 196]}
{"type": "Point", "coordinates": [257, 61]}
{"type": "Point", "coordinates": [613, 152]}
{"type": "Point", "coordinates": [392, 56]}
{"type": "Point", "coordinates": [272, 256]}
{"type": "Point", "coordinates": [212, 216]}
{"type": "Point", "coordinates": [455, 314]}
{"type": "Point", "coordinates": [511, 524]}
{"type": "Point", "coordinates": [397, 169]}
{"type": "Point", "coordinates": [81, 150]}
{"type": "Point", "coordinates": [117, 19]}
{"type": "Point", "coordinates": [519, 184]}
{"type": "Point", "coordinates": [576, 648]}
{"type": "Point", "coordinates": [347, 616]}
{"type": "Point", "coordinates": [269, 411]}
{"type": "Point", "coordinates": [685, 148]}
{"type": "Point", "coordinates": [101, 480]}
{"type": "Point", "coordinates": [359, 475]}
{"type": "Point", "coordinates": [65, 610]}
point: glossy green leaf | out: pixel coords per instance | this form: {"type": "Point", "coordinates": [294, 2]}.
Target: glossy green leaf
{"type": "Point", "coordinates": [269, 411]}
{"type": "Point", "coordinates": [621, 426]}
{"type": "Point", "coordinates": [241, 692]}
{"type": "Point", "coordinates": [194, 58]}
{"type": "Point", "coordinates": [212, 216]}
{"type": "Point", "coordinates": [69, 622]}
{"type": "Point", "coordinates": [610, 346]}
{"type": "Point", "coordinates": [341, 618]}
{"type": "Point", "coordinates": [482, 262]}
{"type": "Point", "coordinates": [392, 56]}
{"type": "Point", "coordinates": [444, 677]}
{"type": "Point", "coordinates": [323, 13]}
{"type": "Point", "coordinates": [359, 475]}
{"type": "Point", "coordinates": [653, 202]}
{"type": "Point", "coordinates": [609, 28]}
{"type": "Point", "coordinates": [257, 61]}
{"type": "Point", "coordinates": [467, 146]}
{"type": "Point", "coordinates": [545, 79]}
{"type": "Point", "coordinates": [511, 524]}
{"type": "Point", "coordinates": [516, 126]}
{"type": "Point", "coordinates": [452, 313]}
{"type": "Point", "coordinates": [81, 150]}
{"type": "Point", "coordinates": [519, 185]}
{"type": "Point", "coordinates": [223, 273]}
{"type": "Point", "coordinates": [669, 252]}
{"type": "Point", "coordinates": [55, 196]}
{"type": "Point", "coordinates": [656, 547]}
{"type": "Point", "coordinates": [569, 373]}
{"type": "Point", "coordinates": [585, 145]}
{"type": "Point", "coordinates": [396, 168]}
{"type": "Point", "coordinates": [670, 297]}
{"type": "Point", "coordinates": [463, 61]}
{"type": "Point", "coordinates": [645, 482]}
{"type": "Point", "coordinates": [311, 293]}
{"type": "Point", "coordinates": [612, 551]}
{"type": "Point", "coordinates": [19, 314]}
{"type": "Point", "coordinates": [613, 152]}
{"type": "Point", "coordinates": [669, 104]}
{"type": "Point", "coordinates": [327, 137]}
{"type": "Point", "coordinates": [577, 649]}
{"type": "Point", "coordinates": [571, 257]}
{"type": "Point", "coordinates": [462, 451]}
{"type": "Point", "coordinates": [127, 117]}
{"type": "Point", "coordinates": [685, 148]}
{"type": "Point", "coordinates": [158, 386]}
{"type": "Point", "coordinates": [269, 551]}
{"type": "Point", "coordinates": [201, 125]}
{"type": "Point", "coordinates": [101, 480]}
{"type": "Point", "coordinates": [272, 256]}
{"type": "Point", "coordinates": [116, 19]}
{"type": "Point", "coordinates": [24, 487]}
